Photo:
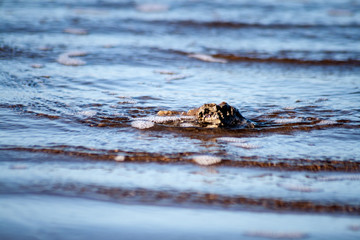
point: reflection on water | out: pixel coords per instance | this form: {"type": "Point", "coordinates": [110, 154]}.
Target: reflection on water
{"type": "Point", "coordinates": [82, 83]}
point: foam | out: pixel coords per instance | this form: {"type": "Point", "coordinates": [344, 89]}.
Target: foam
{"type": "Point", "coordinates": [206, 160]}
{"type": "Point", "coordinates": [186, 125]}
{"type": "Point", "coordinates": [327, 122]}
{"type": "Point", "coordinates": [68, 60]}
{"type": "Point", "coordinates": [142, 124]}
{"type": "Point", "coordinates": [246, 145]}
{"type": "Point", "coordinates": [288, 120]}
{"type": "Point", "coordinates": [164, 119]}
{"type": "Point", "coordinates": [89, 113]}
{"type": "Point", "coordinates": [207, 58]}
{"type": "Point", "coordinates": [119, 158]}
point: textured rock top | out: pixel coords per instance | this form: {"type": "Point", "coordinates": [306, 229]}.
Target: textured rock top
{"type": "Point", "coordinates": [219, 115]}
{"type": "Point", "coordinates": [211, 115]}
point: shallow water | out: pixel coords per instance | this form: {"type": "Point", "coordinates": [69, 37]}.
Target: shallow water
{"type": "Point", "coordinates": [81, 84]}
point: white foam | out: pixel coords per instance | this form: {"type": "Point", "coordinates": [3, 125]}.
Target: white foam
{"type": "Point", "coordinates": [142, 124]}
{"type": "Point", "coordinates": [245, 145]}
{"type": "Point", "coordinates": [186, 125]}
{"type": "Point", "coordinates": [119, 158]}
{"type": "Point", "coordinates": [206, 160]}
{"type": "Point", "coordinates": [164, 119]}
{"type": "Point", "coordinates": [129, 101]}
{"type": "Point", "coordinates": [68, 60]}
{"type": "Point", "coordinates": [89, 113]}
{"type": "Point", "coordinates": [207, 58]}
{"type": "Point", "coordinates": [288, 120]}
{"type": "Point", "coordinates": [327, 122]}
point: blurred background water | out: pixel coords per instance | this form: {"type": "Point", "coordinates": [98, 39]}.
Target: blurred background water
{"type": "Point", "coordinates": [75, 76]}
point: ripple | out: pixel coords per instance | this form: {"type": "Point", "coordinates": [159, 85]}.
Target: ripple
{"type": "Point", "coordinates": [299, 188]}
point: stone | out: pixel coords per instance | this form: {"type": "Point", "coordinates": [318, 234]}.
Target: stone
{"type": "Point", "coordinates": [209, 115]}
{"type": "Point", "coordinates": [167, 113]}
{"type": "Point", "coordinates": [220, 115]}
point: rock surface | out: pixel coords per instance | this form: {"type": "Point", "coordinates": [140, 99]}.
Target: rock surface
{"type": "Point", "coordinates": [212, 115]}
{"type": "Point", "coordinates": [220, 115]}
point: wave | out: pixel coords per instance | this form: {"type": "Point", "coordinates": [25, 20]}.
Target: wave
{"type": "Point", "coordinates": [283, 164]}
{"type": "Point", "coordinates": [229, 24]}
{"type": "Point", "coordinates": [239, 58]}
{"type": "Point", "coordinates": [277, 58]}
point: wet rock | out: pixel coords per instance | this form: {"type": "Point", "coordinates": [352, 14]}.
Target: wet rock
{"type": "Point", "coordinates": [168, 113]}
{"type": "Point", "coordinates": [220, 115]}
{"type": "Point", "coordinates": [209, 115]}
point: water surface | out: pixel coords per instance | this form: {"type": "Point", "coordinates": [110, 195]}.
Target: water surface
{"type": "Point", "coordinates": [77, 77]}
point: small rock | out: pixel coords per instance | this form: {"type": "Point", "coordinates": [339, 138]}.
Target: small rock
{"type": "Point", "coordinates": [222, 115]}
{"type": "Point", "coordinates": [168, 113]}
